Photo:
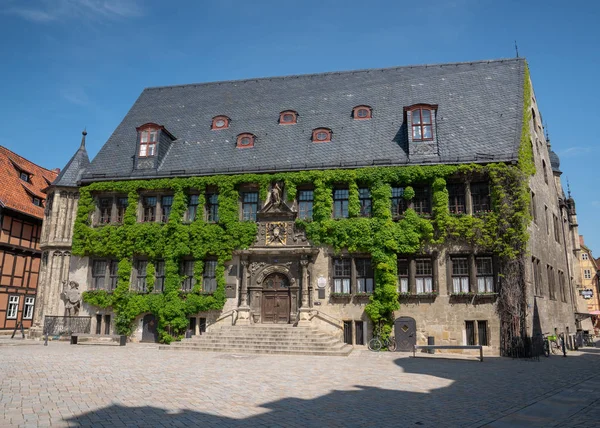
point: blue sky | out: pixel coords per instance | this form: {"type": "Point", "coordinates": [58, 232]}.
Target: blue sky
{"type": "Point", "coordinates": [70, 64]}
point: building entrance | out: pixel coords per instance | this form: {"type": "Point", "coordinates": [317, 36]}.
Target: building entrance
{"type": "Point", "coordinates": [276, 299]}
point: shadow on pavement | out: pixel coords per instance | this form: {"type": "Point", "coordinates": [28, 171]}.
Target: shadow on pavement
{"type": "Point", "coordinates": [472, 394]}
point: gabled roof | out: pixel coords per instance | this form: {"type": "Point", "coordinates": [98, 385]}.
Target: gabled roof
{"type": "Point", "coordinates": [478, 120]}
{"type": "Point", "coordinates": [17, 194]}
{"type": "Point", "coordinates": [72, 172]}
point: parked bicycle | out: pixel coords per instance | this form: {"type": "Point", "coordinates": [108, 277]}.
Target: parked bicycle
{"type": "Point", "coordinates": [378, 342]}
{"type": "Point", "coordinates": [551, 344]}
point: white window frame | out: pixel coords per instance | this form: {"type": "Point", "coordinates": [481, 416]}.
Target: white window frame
{"type": "Point", "coordinates": [584, 256]}
{"type": "Point", "coordinates": [28, 308]}
{"type": "Point", "coordinates": [587, 274]}
{"type": "Point", "coordinates": [13, 308]}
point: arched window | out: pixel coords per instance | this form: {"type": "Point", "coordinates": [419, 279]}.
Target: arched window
{"type": "Point", "coordinates": [362, 112]}
{"type": "Point", "coordinates": [321, 135]}
{"type": "Point", "coordinates": [245, 140]}
{"type": "Point", "coordinates": [220, 122]}
{"type": "Point", "coordinates": [148, 139]}
{"type": "Point", "coordinates": [422, 121]}
{"type": "Point", "coordinates": [288, 117]}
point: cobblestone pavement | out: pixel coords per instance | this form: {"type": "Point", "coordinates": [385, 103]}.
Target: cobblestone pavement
{"type": "Point", "coordinates": [138, 385]}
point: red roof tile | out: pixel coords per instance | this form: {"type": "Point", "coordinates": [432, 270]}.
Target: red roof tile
{"type": "Point", "coordinates": [17, 194]}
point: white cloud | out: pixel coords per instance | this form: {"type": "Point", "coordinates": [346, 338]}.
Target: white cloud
{"type": "Point", "coordinates": [52, 10]}
{"type": "Point", "coordinates": [575, 151]}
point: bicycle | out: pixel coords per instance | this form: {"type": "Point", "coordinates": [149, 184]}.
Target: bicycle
{"type": "Point", "coordinates": [377, 343]}
{"type": "Point", "coordinates": [551, 344]}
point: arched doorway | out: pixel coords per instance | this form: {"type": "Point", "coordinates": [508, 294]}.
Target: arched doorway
{"type": "Point", "coordinates": [276, 299]}
{"type": "Point", "coordinates": [149, 330]}
{"type": "Point", "coordinates": [405, 330]}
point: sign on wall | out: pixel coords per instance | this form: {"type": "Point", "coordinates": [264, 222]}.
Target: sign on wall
{"type": "Point", "coordinates": [587, 293]}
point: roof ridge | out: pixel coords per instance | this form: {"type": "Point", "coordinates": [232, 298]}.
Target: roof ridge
{"type": "Point", "coordinates": [328, 73]}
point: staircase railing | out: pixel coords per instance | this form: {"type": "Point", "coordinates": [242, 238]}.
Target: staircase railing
{"type": "Point", "coordinates": [232, 313]}
{"type": "Point", "coordinates": [326, 317]}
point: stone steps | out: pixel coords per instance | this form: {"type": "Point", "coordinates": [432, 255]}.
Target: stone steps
{"type": "Point", "coordinates": [92, 339]}
{"type": "Point", "coordinates": [264, 339]}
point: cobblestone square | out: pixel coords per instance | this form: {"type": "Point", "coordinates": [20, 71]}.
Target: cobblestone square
{"type": "Point", "coordinates": [138, 385]}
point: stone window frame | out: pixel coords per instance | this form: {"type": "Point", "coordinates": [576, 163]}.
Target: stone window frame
{"type": "Point", "coordinates": [142, 216]}
{"type": "Point", "coordinates": [364, 273]}
{"type": "Point", "coordinates": [366, 201]}
{"type": "Point", "coordinates": [480, 202]}
{"type": "Point", "coordinates": [109, 276]}
{"type": "Point", "coordinates": [460, 273]}
{"type": "Point", "coordinates": [139, 271]}
{"type": "Point", "coordinates": [211, 207]}
{"type": "Point", "coordinates": [584, 256]}
{"type": "Point", "coordinates": [417, 275]}
{"type": "Point", "coordinates": [421, 202]}
{"type": "Point", "coordinates": [245, 205]}
{"type": "Point", "coordinates": [457, 198]}
{"type": "Point", "coordinates": [189, 281]}
{"type": "Point", "coordinates": [305, 206]}
{"type": "Point", "coordinates": [159, 276]}
{"type": "Point", "coordinates": [587, 274]}
{"type": "Point", "coordinates": [398, 204]}
{"type": "Point", "coordinates": [473, 274]}
{"type": "Point", "coordinates": [536, 272]}
{"type": "Point", "coordinates": [476, 332]}
{"type": "Point", "coordinates": [114, 211]}
{"type": "Point", "coordinates": [340, 209]}
{"type": "Point", "coordinates": [209, 275]}
{"type": "Point", "coordinates": [556, 228]}
{"type": "Point", "coordinates": [352, 276]}
{"type": "Point", "coordinates": [192, 201]}
{"type": "Point", "coordinates": [551, 282]}
{"type": "Point", "coordinates": [562, 286]}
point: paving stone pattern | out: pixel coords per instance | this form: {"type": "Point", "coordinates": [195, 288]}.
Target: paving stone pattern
{"type": "Point", "coordinates": [138, 385]}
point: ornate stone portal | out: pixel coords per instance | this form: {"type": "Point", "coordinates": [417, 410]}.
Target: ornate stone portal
{"type": "Point", "coordinates": [275, 277]}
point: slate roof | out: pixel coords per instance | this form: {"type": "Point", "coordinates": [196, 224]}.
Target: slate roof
{"type": "Point", "coordinates": [72, 172]}
{"type": "Point", "coordinates": [479, 120]}
{"type": "Point", "coordinates": [17, 194]}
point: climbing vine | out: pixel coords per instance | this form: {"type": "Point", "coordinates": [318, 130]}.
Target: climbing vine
{"type": "Point", "coordinates": [502, 231]}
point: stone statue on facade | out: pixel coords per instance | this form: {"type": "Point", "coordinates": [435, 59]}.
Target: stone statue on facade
{"type": "Point", "coordinates": [72, 298]}
{"type": "Point", "coordinates": [274, 197]}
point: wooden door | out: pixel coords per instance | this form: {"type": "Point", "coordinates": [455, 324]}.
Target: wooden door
{"type": "Point", "coordinates": [149, 331]}
{"type": "Point", "coordinates": [276, 299]}
{"type": "Point", "coordinates": [405, 330]}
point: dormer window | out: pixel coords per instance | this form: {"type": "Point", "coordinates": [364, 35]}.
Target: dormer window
{"type": "Point", "coordinates": [220, 122]}
{"type": "Point", "coordinates": [321, 135]}
{"type": "Point", "coordinates": [245, 141]}
{"type": "Point", "coordinates": [24, 176]}
{"type": "Point", "coordinates": [421, 121]}
{"type": "Point", "coordinates": [148, 140]}
{"type": "Point", "coordinates": [288, 117]}
{"type": "Point", "coordinates": [37, 201]}
{"type": "Point", "coordinates": [362, 112]}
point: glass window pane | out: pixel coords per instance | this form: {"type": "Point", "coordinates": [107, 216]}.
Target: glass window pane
{"type": "Point", "coordinates": [144, 136]}
{"type": "Point", "coordinates": [416, 117]}
{"type": "Point", "coordinates": [417, 132]}
{"type": "Point", "coordinates": [427, 132]}
{"type": "Point", "coordinates": [143, 148]}
{"type": "Point", "coordinates": [426, 116]}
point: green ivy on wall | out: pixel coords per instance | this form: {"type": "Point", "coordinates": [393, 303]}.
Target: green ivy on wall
{"type": "Point", "coordinates": [502, 231]}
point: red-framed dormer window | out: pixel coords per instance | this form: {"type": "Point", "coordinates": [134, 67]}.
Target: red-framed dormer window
{"type": "Point", "coordinates": [220, 122]}
{"type": "Point", "coordinates": [148, 135]}
{"type": "Point", "coordinates": [321, 135]}
{"type": "Point", "coordinates": [288, 117]}
{"type": "Point", "coordinates": [362, 112]}
{"type": "Point", "coordinates": [245, 140]}
{"type": "Point", "coordinates": [422, 121]}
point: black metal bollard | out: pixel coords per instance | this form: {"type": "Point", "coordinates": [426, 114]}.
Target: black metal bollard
{"type": "Point", "coordinates": [431, 341]}
{"type": "Point", "coordinates": [46, 339]}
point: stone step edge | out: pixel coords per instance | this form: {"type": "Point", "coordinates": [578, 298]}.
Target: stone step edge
{"type": "Point", "coordinates": [340, 353]}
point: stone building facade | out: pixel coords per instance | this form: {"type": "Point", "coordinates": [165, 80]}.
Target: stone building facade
{"type": "Point", "coordinates": [323, 166]}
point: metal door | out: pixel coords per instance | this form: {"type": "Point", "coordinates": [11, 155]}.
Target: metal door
{"type": "Point", "coordinates": [149, 331]}
{"type": "Point", "coordinates": [405, 330]}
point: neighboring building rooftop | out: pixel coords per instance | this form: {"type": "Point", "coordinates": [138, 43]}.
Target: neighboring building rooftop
{"type": "Point", "coordinates": [23, 181]}
{"type": "Point", "coordinates": [479, 119]}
